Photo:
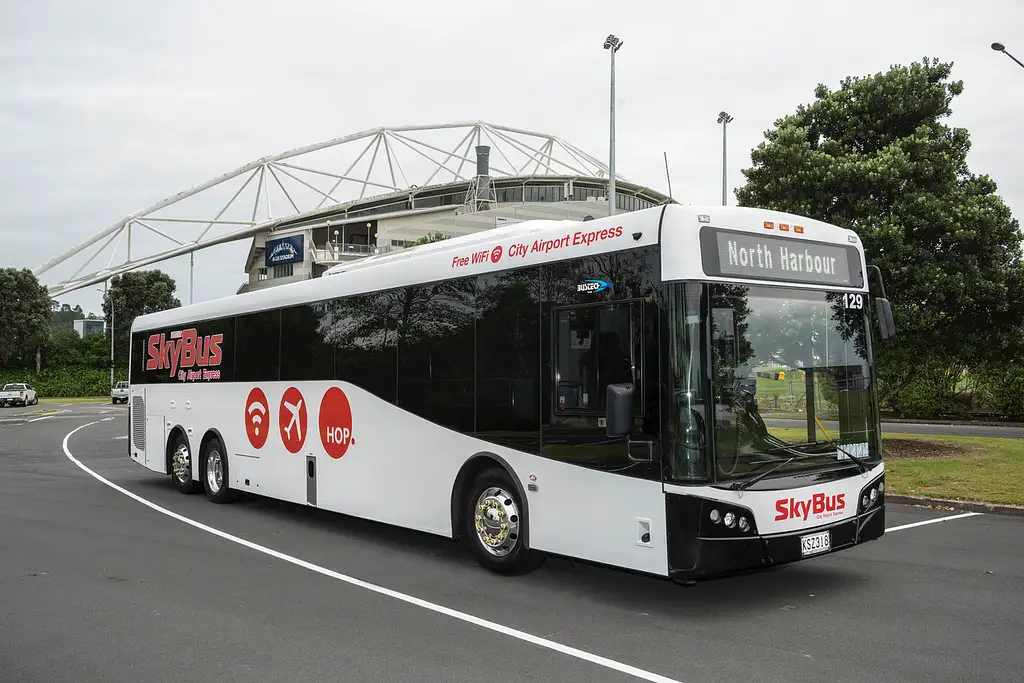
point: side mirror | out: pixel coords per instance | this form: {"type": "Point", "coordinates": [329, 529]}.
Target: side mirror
{"type": "Point", "coordinates": [618, 410]}
{"type": "Point", "coordinates": [886, 325]}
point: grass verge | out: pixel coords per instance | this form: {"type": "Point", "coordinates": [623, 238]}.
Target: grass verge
{"type": "Point", "coordinates": [82, 399]}
{"type": "Point", "coordinates": [969, 468]}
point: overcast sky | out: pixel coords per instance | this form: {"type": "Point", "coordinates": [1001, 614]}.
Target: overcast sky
{"type": "Point", "coordinates": [107, 106]}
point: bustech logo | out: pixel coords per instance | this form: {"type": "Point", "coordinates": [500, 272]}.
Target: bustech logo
{"type": "Point", "coordinates": [593, 286]}
{"type": "Point", "coordinates": [182, 350]}
{"type": "Point", "coordinates": [819, 504]}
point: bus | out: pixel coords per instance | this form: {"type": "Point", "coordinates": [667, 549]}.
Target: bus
{"type": "Point", "coordinates": [679, 391]}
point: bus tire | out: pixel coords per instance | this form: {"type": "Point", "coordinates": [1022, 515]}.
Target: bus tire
{"type": "Point", "coordinates": [181, 465]}
{"type": "Point", "coordinates": [495, 524]}
{"type": "Point", "coordinates": [215, 472]}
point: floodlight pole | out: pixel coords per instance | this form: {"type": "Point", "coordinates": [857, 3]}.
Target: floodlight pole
{"type": "Point", "coordinates": [614, 44]}
{"type": "Point", "coordinates": [999, 47]}
{"type": "Point", "coordinates": [725, 120]}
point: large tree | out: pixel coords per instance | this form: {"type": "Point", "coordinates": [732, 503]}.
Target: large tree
{"type": "Point", "coordinates": [133, 294]}
{"type": "Point", "coordinates": [25, 308]}
{"type": "Point", "coordinates": [874, 156]}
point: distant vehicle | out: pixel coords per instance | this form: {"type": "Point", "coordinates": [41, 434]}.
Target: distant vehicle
{"type": "Point", "coordinates": [18, 394]}
{"type": "Point", "coordinates": [584, 390]}
{"type": "Point", "coordinates": [119, 394]}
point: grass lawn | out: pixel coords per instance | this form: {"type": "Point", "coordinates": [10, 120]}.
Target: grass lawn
{"type": "Point", "coordinates": [50, 400]}
{"type": "Point", "coordinates": [970, 468]}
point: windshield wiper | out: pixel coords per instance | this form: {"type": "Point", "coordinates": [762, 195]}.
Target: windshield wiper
{"type": "Point", "coordinates": [741, 485]}
{"type": "Point", "coordinates": [747, 483]}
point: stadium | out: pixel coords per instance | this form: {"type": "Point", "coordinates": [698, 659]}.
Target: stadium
{"type": "Point", "coordinates": [307, 210]}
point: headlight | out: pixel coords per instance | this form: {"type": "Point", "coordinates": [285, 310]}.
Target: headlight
{"type": "Point", "coordinates": [726, 520]}
{"type": "Point", "coordinates": [871, 495]}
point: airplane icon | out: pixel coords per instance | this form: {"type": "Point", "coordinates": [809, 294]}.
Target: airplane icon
{"type": "Point", "coordinates": [294, 410]}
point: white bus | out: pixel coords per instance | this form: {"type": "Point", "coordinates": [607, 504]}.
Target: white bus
{"type": "Point", "coordinates": [677, 391]}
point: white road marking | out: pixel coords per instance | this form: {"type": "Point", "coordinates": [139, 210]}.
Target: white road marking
{"type": "Point", "coordinates": [932, 521]}
{"type": "Point", "coordinates": [37, 419]}
{"type": "Point", "coordinates": [440, 609]}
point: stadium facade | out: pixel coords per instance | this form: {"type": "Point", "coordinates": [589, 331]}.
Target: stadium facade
{"type": "Point", "coordinates": [308, 245]}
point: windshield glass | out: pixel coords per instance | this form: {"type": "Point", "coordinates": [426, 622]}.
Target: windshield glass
{"type": "Point", "coordinates": [790, 380]}
{"type": "Point", "coordinates": [12, 387]}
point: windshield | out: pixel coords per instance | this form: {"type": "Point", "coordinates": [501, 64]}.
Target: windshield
{"type": "Point", "coordinates": [790, 380]}
{"type": "Point", "coordinates": [13, 387]}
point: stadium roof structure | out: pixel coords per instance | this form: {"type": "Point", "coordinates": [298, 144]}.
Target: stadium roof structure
{"type": "Point", "coordinates": [275, 190]}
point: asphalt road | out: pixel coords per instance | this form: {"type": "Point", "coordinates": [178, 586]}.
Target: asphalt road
{"type": "Point", "coordinates": [98, 586]}
{"type": "Point", "coordinates": [996, 431]}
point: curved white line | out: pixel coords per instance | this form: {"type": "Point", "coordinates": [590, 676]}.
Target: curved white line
{"type": "Point", "coordinates": [440, 609]}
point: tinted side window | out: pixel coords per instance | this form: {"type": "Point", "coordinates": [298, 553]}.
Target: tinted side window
{"type": "Point", "coordinates": [305, 355]}
{"type": "Point", "coordinates": [508, 358]}
{"type": "Point", "coordinates": [364, 334]}
{"type": "Point", "coordinates": [258, 347]}
{"type": "Point", "coordinates": [435, 352]}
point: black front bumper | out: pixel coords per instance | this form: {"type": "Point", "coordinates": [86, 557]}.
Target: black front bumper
{"type": "Point", "coordinates": [692, 557]}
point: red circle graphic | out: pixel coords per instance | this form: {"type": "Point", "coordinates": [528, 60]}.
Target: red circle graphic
{"type": "Point", "coordinates": [336, 423]}
{"type": "Point", "coordinates": [496, 254]}
{"type": "Point", "coordinates": [292, 419]}
{"type": "Point", "coordinates": [257, 417]}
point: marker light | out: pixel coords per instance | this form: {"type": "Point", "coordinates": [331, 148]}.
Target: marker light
{"type": "Point", "coordinates": [768, 225]}
{"type": "Point", "coordinates": [784, 227]}
{"type": "Point", "coordinates": [798, 229]}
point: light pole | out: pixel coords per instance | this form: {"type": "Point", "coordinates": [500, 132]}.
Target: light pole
{"type": "Point", "coordinates": [614, 44]}
{"type": "Point", "coordinates": [999, 47]}
{"type": "Point", "coordinates": [111, 332]}
{"type": "Point", "coordinates": [725, 120]}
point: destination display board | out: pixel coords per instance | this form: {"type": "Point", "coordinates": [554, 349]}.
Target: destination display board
{"type": "Point", "coordinates": [731, 253]}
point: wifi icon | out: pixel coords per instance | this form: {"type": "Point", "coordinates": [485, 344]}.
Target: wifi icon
{"type": "Point", "coordinates": [257, 417]}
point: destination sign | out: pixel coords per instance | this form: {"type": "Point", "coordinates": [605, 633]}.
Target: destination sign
{"type": "Point", "coordinates": [767, 257]}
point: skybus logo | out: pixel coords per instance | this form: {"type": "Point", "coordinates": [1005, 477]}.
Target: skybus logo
{"type": "Point", "coordinates": [183, 350]}
{"type": "Point", "coordinates": [818, 504]}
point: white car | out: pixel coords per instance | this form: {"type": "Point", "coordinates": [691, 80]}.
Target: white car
{"type": "Point", "coordinates": [119, 394]}
{"type": "Point", "coordinates": [18, 394]}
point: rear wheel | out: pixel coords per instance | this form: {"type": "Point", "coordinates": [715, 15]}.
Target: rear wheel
{"type": "Point", "coordinates": [495, 525]}
{"type": "Point", "coordinates": [215, 472]}
{"type": "Point", "coordinates": [181, 465]}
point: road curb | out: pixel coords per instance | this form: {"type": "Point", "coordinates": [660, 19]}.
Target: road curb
{"type": "Point", "coordinates": [965, 505]}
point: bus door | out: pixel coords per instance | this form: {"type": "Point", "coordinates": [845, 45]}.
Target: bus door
{"type": "Point", "coordinates": [586, 348]}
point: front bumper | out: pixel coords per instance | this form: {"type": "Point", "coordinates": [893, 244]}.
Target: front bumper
{"type": "Point", "coordinates": [692, 557]}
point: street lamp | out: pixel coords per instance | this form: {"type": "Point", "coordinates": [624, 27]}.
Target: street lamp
{"type": "Point", "coordinates": [104, 290]}
{"type": "Point", "coordinates": [724, 119]}
{"type": "Point", "coordinates": [614, 44]}
{"type": "Point", "coordinates": [999, 47]}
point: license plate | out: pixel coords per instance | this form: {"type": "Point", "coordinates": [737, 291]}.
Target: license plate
{"type": "Point", "coordinates": [815, 543]}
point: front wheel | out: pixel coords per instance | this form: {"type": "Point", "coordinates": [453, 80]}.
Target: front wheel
{"type": "Point", "coordinates": [495, 525]}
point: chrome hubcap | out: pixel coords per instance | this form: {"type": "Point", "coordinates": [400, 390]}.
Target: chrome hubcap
{"type": "Point", "coordinates": [181, 462]}
{"type": "Point", "coordinates": [214, 471]}
{"type": "Point", "coordinates": [497, 521]}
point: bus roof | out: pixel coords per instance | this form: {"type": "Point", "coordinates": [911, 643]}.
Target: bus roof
{"type": "Point", "coordinates": [527, 243]}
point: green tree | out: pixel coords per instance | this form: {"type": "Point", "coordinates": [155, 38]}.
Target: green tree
{"type": "Point", "coordinates": [63, 315]}
{"type": "Point", "coordinates": [874, 156]}
{"type": "Point", "coordinates": [133, 294]}
{"type": "Point", "coordinates": [63, 347]}
{"type": "Point", "coordinates": [25, 307]}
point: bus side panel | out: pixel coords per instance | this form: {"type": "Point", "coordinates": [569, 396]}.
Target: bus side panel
{"type": "Point", "coordinates": [593, 515]}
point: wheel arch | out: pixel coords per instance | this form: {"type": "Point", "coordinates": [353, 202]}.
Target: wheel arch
{"type": "Point", "coordinates": [470, 469]}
